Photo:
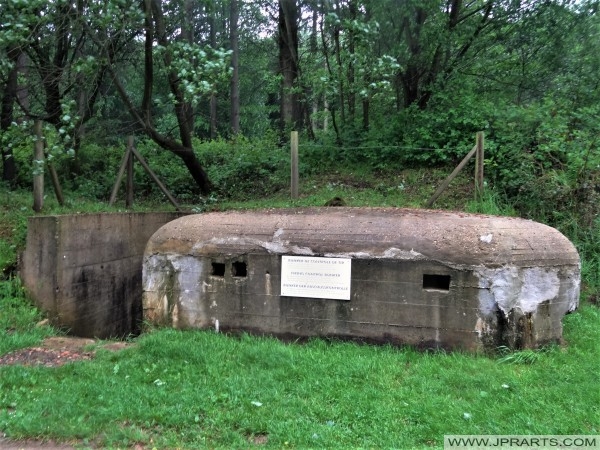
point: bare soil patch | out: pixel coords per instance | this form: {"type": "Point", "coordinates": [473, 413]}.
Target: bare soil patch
{"type": "Point", "coordinates": [57, 351]}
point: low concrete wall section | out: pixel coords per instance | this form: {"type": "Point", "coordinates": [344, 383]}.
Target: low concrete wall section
{"type": "Point", "coordinates": [85, 271]}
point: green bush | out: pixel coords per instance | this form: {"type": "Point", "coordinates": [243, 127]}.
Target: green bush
{"type": "Point", "coordinates": [19, 139]}
{"type": "Point", "coordinates": [542, 160]}
{"type": "Point", "coordinates": [95, 170]}
{"type": "Point", "coordinates": [242, 169]}
{"type": "Point", "coordinates": [169, 169]}
{"type": "Point", "coordinates": [239, 169]}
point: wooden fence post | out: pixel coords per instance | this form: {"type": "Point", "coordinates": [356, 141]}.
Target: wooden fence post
{"type": "Point", "coordinates": [477, 150]}
{"type": "Point", "coordinates": [56, 184]}
{"type": "Point", "coordinates": [38, 167]}
{"type": "Point", "coordinates": [122, 167]}
{"type": "Point", "coordinates": [129, 181]}
{"type": "Point", "coordinates": [149, 171]}
{"type": "Point", "coordinates": [479, 165]}
{"type": "Point", "coordinates": [447, 181]}
{"type": "Point", "coordinates": [294, 164]}
{"type": "Point", "coordinates": [127, 165]}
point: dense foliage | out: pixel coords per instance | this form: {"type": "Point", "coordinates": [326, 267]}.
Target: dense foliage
{"type": "Point", "coordinates": [211, 89]}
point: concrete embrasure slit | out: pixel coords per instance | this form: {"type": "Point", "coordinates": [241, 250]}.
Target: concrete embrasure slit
{"type": "Point", "coordinates": [436, 282]}
{"type": "Point", "coordinates": [218, 269]}
{"type": "Point", "coordinates": [238, 269]}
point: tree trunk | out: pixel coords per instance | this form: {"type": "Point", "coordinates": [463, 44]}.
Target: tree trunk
{"type": "Point", "coordinates": [196, 170]}
{"type": "Point", "coordinates": [410, 83]}
{"type": "Point", "coordinates": [9, 168]}
{"type": "Point", "coordinates": [413, 75]}
{"type": "Point", "coordinates": [366, 100]}
{"type": "Point", "coordinates": [213, 116]}
{"type": "Point", "coordinates": [288, 63]}
{"type": "Point", "coordinates": [23, 89]}
{"type": "Point", "coordinates": [235, 76]}
{"type": "Point", "coordinates": [210, 10]}
{"type": "Point", "coordinates": [340, 76]}
{"type": "Point", "coordinates": [311, 119]}
{"type": "Point", "coordinates": [51, 70]}
{"type": "Point", "coordinates": [351, 71]}
{"type": "Point", "coordinates": [188, 35]}
{"type": "Point", "coordinates": [184, 149]}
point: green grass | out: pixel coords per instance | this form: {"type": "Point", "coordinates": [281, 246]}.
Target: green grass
{"type": "Point", "coordinates": [407, 189]}
{"type": "Point", "coordinates": [198, 389]}
{"type": "Point", "coordinates": [18, 319]}
{"type": "Point", "coordinates": [490, 203]}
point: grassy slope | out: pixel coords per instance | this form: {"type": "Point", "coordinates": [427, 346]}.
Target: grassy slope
{"type": "Point", "coordinates": [195, 389]}
{"type": "Point", "coordinates": [201, 389]}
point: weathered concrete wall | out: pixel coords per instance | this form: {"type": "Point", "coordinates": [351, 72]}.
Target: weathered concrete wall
{"type": "Point", "coordinates": [425, 278]}
{"type": "Point", "coordinates": [85, 270]}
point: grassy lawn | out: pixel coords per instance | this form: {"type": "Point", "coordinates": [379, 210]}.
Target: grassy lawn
{"type": "Point", "coordinates": [200, 389]}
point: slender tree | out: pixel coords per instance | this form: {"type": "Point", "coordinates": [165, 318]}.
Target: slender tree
{"type": "Point", "coordinates": [188, 70]}
{"type": "Point", "coordinates": [288, 62]}
{"type": "Point", "coordinates": [212, 23]}
{"type": "Point", "coordinates": [235, 64]}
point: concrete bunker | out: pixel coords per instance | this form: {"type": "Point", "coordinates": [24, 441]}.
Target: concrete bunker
{"type": "Point", "coordinates": [427, 278]}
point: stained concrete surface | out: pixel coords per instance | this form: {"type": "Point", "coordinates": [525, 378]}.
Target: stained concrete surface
{"type": "Point", "coordinates": [496, 280]}
{"type": "Point", "coordinates": [84, 270]}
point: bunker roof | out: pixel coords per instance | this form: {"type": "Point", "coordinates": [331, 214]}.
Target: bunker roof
{"type": "Point", "coordinates": [453, 238]}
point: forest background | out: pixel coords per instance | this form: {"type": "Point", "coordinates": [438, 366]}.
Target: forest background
{"type": "Point", "coordinates": [387, 97]}
{"type": "Point", "coordinates": [211, 90]}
